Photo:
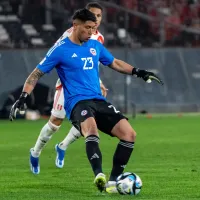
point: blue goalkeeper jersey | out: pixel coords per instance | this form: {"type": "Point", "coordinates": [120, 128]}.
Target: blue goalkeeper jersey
{"type": "Point", "coordinates": [77, 68]}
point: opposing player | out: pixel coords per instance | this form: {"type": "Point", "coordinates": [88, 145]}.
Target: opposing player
{"type": "Point", "coordinates": [58, 111]}
{"type": "Point", "coordinates": [86, 108]}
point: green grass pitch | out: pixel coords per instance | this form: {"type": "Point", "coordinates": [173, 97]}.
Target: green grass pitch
{"type": "Point", "coordinates": [166, 157]}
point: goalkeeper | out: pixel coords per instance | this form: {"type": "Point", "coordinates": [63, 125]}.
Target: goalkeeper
{"type": "Point", "coordinates": [85, 106]}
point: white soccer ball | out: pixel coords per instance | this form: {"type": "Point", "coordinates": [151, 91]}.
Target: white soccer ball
{"type": "Point", "coordinates": [129, 183]}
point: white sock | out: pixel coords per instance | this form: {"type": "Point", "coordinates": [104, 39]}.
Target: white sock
{"type": "Point", "coordinates": [45, 135]}
{"type": "Point", "coordinates": [72, 136]}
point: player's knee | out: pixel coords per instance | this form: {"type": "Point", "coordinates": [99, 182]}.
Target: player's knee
{"type": "Point", "coordinates": [124, 131]}
{"type": "Point", "coordinates": [128, 135]}
{"type": "Point", "coordinates": [55, 121]}
{"type": "Point", "coordinates": [89, 127]}
{"type": "Point", "coordinates": [53, 127]}
{"type": "Point", "coordinates": [131, 136]}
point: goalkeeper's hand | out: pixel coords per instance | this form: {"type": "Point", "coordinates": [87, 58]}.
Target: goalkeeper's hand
{"type": "Point", "coordinates": [146, 75]}
{"type": "Point", "coordinates": [18, 106]}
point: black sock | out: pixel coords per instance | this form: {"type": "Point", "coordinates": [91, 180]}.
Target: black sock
{"type": "Point", "coordinates": [121, 158]}
{"type": "Point", "coordinates": [94, 153]}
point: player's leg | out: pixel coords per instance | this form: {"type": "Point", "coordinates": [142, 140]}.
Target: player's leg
{"type": "Point", "coordinates": [83, 118]}
{"type": "Point", "coordinates": [45, 134]}
{"type": "Point", "coordinates": [126, 135]}
{"type": "Point", "coordinates": [123, 152]}
{"type": "Point", "coordinates": [71, 137]}
{"type": "Point", "coordinates": [54, 123]}
{"type": "Point", "coordinates": [112, 122]}
{"type": "Point", "coordinates": [90, 132]}
{"type": "Point", "coordinates": [61, 147]}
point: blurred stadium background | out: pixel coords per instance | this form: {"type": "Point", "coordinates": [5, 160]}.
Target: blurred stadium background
{"type": "Point", "coordinates": [159, 35]}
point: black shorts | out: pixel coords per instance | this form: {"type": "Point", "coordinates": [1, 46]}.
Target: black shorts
{"type": "Point", "coordinates": [105, 114]}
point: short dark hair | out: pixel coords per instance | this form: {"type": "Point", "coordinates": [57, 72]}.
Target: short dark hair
{"type": "Point", "coordinates": [94, 5]}
{"type": "Point", "coordinates": [84, 15]}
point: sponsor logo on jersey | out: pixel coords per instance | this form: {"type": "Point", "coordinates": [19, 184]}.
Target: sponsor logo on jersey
{"type": "Point", "coordinates": [93, 51]}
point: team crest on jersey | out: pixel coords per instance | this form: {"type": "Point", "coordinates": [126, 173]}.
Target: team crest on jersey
{"type": "Point", "coordinates": [93, 51]}
{"type": "Point", "coordinates": [84, 112]}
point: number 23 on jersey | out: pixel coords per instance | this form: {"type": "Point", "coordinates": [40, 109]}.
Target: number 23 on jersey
{"type": "Point", "coordinates": [87, 63]}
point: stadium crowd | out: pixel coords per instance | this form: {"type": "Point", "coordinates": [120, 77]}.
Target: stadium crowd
{"type": "Point", "coordinates": [171, 14]}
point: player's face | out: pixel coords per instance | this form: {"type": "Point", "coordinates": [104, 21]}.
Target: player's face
{"type": "Point", "coordinates": [85, 30]}
{"type": "Point", "coordinates": [98, 13]}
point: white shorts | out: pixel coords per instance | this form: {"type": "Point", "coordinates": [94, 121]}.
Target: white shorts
{"type": "Point", "coordinates": [58, 105]}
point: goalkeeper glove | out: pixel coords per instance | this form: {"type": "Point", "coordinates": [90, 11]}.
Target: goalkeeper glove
{"type": "Point", "coordinates": [146, 75]}
{"type": "Point", "coordinates": [18, 106]}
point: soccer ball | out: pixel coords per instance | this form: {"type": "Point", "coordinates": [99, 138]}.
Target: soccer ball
{"type": "Point", "coordinates": [129, 183]}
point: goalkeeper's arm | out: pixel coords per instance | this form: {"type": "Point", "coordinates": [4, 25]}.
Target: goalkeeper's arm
{"type": "Point", "coordinates": [32, 80]}
{"type": "Point", "coordinates": [125, 68]}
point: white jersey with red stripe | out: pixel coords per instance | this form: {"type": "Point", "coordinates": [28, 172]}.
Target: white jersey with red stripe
{"type": "Point", "coordinates": [96, 36]}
